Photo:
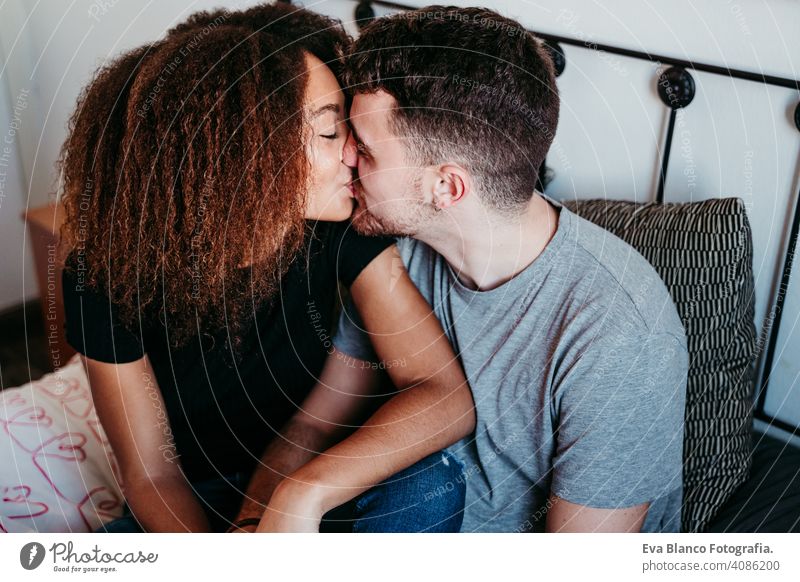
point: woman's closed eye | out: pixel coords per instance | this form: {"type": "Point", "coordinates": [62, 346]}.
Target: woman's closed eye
{"type": "Point", "coordinates": [335, 132]}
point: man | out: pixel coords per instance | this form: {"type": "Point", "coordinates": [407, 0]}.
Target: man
{"type": "Point", "coordinates": [571, 344]}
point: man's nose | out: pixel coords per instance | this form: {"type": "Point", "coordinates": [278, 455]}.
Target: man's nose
{"type": "Point", "coordinates": [350, 152]}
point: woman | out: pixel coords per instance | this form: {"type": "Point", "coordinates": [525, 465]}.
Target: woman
{"type": "Point", "coordinates": [206, 194]}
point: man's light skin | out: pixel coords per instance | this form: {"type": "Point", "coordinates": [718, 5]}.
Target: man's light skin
{"type": "Point", "coordinates": [496, 249]}
{"type": "Point", "coordinates": [439, 205]}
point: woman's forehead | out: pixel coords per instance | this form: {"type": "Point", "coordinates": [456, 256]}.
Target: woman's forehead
{"type": "Point", "coordinates": [322, 88]}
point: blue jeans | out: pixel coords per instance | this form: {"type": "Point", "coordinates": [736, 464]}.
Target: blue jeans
{"type": "Point", "coordinates": [426, 497]}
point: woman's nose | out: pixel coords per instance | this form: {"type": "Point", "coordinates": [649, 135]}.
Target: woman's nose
{"type": "Point", "coordinates": [349, 151]}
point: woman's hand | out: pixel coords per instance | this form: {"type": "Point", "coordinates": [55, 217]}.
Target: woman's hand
{"type": "Point", "coordinates": [294, 508]}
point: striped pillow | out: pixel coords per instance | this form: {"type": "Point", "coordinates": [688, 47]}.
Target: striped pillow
{"type": "Point", "coordinates": [704, 253]}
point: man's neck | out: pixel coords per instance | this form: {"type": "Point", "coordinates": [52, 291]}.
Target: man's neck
{"type": "Point", "coordinates": [486, 251]}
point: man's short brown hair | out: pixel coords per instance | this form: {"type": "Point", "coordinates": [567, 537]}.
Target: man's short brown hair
{"type": "Point", "coordinates": [471, 86]}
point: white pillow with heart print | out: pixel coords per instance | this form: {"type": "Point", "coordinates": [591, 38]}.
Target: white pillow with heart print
{"type": "Point", "coordinates": [58, 471]}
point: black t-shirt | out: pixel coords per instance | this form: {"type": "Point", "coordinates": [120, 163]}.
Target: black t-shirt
{"type": "Point", "coordinates": [223, 411]}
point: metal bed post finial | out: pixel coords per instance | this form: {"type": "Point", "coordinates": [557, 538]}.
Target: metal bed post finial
{"type": "Point", "coordinates": [676, 89]}
{"type": "Point", "coordinates": [557, 54]}
{"type": "Point", "coordinates": [364, 13]}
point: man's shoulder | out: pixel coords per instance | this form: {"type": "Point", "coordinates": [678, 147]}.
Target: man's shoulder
{"type": "Point", "coordinates": [618, 276]}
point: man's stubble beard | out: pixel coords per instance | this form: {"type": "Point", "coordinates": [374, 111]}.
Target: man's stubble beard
{"type": "Point", "coordinates": [415, 215]}
{"type": "Point", "coordinates": [367, 224]}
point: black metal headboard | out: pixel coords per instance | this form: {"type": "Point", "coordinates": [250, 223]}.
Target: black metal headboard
{"type": "Point", "coordinates": [676, 89]}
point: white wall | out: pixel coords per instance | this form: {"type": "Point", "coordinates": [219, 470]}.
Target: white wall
{"type": "Point", "coordinates": [736, 138]}
{"type": "Point", "coordinates": [17, 280]}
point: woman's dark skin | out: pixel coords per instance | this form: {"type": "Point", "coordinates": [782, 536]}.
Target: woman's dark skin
{"type": "Point", "coordinates": [432, 409]}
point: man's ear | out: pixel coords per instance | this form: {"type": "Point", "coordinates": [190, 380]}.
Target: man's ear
{"type": "Point", "coordinates": [448, 185]}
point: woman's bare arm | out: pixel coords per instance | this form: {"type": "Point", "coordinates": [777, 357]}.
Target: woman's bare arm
{"type": "Point", "coordinates": [131, 409]}
{"type": "Point", "coordinates": [347, 391]}
{"type": "Point", "coordinates": [432, 409]}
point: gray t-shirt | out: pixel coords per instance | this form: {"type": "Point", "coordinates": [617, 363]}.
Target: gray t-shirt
{"type": "Point", "coordinates": [578, 371]}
